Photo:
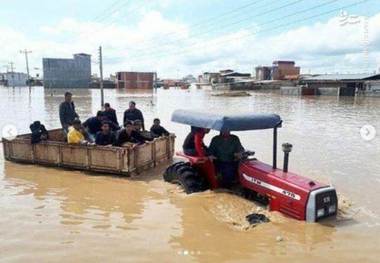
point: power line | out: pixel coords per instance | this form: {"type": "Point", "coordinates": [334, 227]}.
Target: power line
{"type": "Point", "coordinates": [265, 23]}
{"type": "Point", "coordinates": [109, 10]}
{"type": "Point", "coordinates": [234, 23]}
{"type": "Point", "coordinates": [214, 18]}
{"type": "Point", "coordinates": [101, 17]}
{"type": "Point", "coordinates": [107, 25]}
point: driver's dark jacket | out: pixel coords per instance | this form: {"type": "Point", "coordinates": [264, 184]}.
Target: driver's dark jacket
{"type": "Point", "coordinates": [224, 148]}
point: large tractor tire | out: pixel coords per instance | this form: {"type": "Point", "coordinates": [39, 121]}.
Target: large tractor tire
{"type": "Point", "coordinates": [185, 175]}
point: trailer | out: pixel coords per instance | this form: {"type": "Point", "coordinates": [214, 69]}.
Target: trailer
{"type": "Point", "coordinates": [56, 152]}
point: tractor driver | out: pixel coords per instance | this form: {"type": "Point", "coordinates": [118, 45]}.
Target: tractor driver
{"type": "Point", "coordinates": [226, 150]}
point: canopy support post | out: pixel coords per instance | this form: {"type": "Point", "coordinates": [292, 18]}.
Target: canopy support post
{"type": "Point", "coordinates": [275, 148]}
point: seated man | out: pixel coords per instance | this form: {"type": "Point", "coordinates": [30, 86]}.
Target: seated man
{"type": "Point", "coordinates": [128, 135]}
{"type": "Point", "coordinates": [93, 125]}
{"type": "Point", "coordinates": [193, 144]}
{"type": "Point", "coordinates": [39, 132]}
{"type": "Point", "coordinates": [157, 130]}
{"type": "Point", "coordinates": [226, 148]}
{"type": "Point", "coordinates": [148, 136]}
{"type": "Point", "coordinates": [106, 136]}
{"type": "Point", "coordinates": [75, 136]}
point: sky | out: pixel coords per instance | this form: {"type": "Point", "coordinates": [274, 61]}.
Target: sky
{"type": "Point", "coordinates": [179, 37]}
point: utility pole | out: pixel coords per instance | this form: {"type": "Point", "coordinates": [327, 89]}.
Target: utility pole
{"type": "Point", "coordinates": [26, 52]}
{"type": "Point", "coordinates": [12, 74]}
{"type": "Point", "coordinates": [101, 77]}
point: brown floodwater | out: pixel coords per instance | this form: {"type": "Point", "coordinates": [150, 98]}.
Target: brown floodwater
{"type": "Point", "coordinates": [54, 215]}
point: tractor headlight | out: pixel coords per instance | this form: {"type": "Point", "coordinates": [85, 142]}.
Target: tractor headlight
{"type": "Point", "coordinates": [332, 209]}
{"type": "Point", "coordinates": [320, 212]}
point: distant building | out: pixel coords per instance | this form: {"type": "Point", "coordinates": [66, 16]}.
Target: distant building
{"type": "Point", "coordinates": [190, 79]}
{"type": "Point", "coordinates": [167, 83]}
{"type": "Point", "coordinates": [225, 71]}
{"type": "Point", "coordinates": [280, 70]}
{"type": "Point", "coordinates": [135, 80]}
{"type": "Point", "coordinates": [264, 73]}
{"type": "Point", "coordinates": [107, 84]}
{"type": "Point", "coordinates": [209, 77]}
{"type": "Point", "coordinates": [13, 79]}
{"type": "Point", "coordinates": [341, 84]}
{"type": "Point", "coordinates": [63, 73]}
{"type": "Point", "coordinates": [223, 76]}
{"type": "Point", "coordinates": [372, 87]}
{"type": "Point", "coordinates": [233, 75]}
{"type": "Point", "coordinates": [285, 70]}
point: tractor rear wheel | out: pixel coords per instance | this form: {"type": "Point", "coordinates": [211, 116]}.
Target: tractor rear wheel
{"type": "Point", "coordinates": [169, 174]}
{"type": "Point", "coordinates": [186, 176]}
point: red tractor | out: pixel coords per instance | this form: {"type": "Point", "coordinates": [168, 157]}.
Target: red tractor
{"type": "Point", "coordinates": [291, 194]}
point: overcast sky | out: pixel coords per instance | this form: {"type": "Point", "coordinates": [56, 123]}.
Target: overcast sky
{"type": "Point", "coordinates": [179, 37]}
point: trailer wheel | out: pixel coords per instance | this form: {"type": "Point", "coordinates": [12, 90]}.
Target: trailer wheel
{"type": "Point", "coordinates": [186, 176]}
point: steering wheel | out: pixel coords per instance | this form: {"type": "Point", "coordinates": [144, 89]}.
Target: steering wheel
{"type": "Point", "coordinates": [245, 155]}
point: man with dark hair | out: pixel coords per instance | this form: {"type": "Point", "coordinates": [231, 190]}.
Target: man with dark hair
{"type": "Point", "coordinates": [94, 124]}
{"type": "Point", "coordinates": [67, 112]}
{"type": "Point", "coordinates": [133, 114]}
{"type": "Point", "coordinates": [227, 149]}
{"type": "Point", "coordinates": [110, 113]}
{"type": "Point", "coordinates": [106, 136]}
{"type": "Point", "coordinates": [157, 130]}
{"type": "Point", "coordinates": [128, 134]}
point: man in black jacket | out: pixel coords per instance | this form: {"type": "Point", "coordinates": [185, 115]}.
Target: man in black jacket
{"type": "Point", "coordinates": [133, 114]}
{"type": "Point", "coordinates": [128, 134]}
{"type": "Point", "coordinates": [67, 113]}
{"type": "Point", "coordinates": [110, 113]}
{"type": "Point", "coordinates": [105, 137]}
{"type": "Point", "coordinates": [157, 130]}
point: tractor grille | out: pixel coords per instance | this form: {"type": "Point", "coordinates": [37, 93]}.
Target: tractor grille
{"type": "Point", "coordinates": [326, 204]}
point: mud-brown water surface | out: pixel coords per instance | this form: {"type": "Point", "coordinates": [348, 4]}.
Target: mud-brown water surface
{"type": "Point", "coordinates": [54, 215]}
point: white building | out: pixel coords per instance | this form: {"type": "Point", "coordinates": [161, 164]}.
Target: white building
{"type": "Point", "coordinates": [13, 79]}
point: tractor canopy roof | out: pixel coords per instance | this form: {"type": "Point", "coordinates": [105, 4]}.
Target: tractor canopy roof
{"type": "Point", "coordinates": [241, 122]}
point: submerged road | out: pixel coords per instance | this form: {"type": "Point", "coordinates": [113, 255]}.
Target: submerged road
{"type": "Point", "coordinates": [53, 215]}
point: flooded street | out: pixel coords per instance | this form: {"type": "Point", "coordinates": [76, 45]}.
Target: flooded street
{"type": "Point", "coordinates": [54, 215]}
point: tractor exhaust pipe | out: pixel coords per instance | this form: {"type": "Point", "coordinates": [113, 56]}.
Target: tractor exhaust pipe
{"type": "Point", "coordinates": [286, 148]}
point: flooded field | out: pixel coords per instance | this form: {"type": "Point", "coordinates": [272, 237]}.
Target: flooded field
{"type": "Point", "coordinates": [54, 215]}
